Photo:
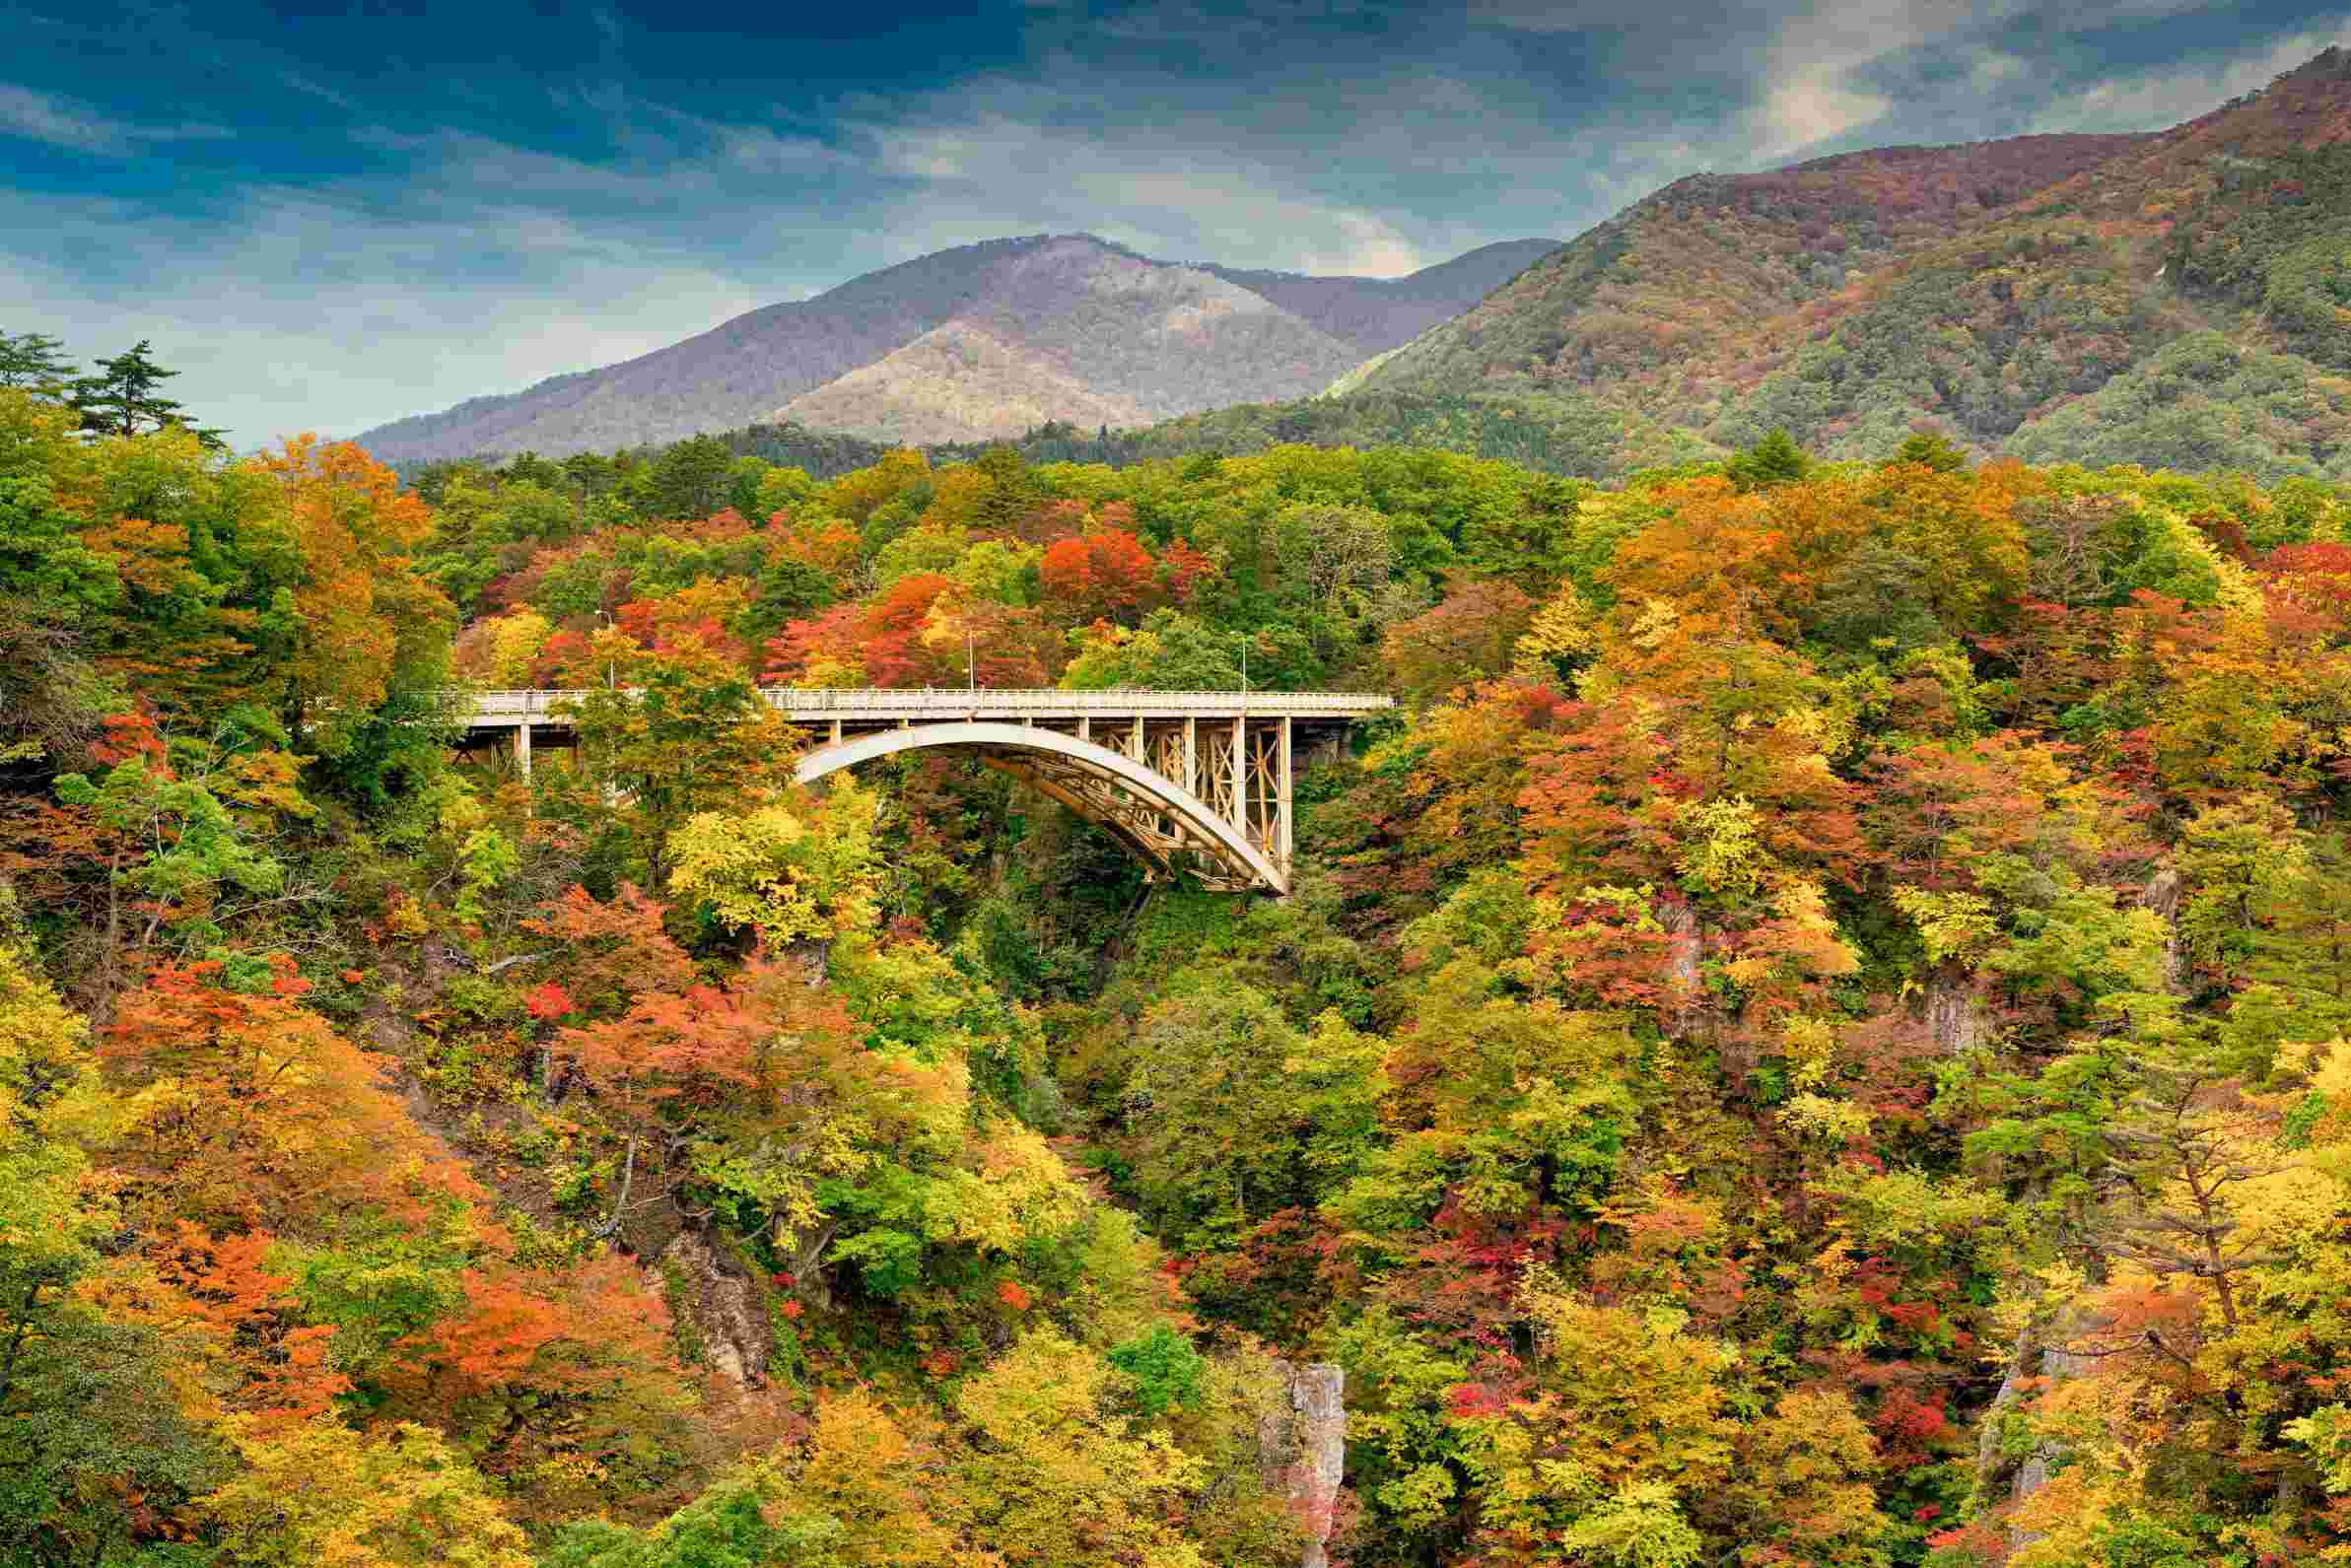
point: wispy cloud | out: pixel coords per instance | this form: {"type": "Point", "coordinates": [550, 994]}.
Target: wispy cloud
{"type": "Point", "coordinates": [318, 90]}
{"type": "Point", "coordinates": [2169, 94]}
{"type": "Point", "coordinates": [390, 316]}
{"type": "Point", "coordinates": [463, 226]}
{"type": "Point", "coordinates": [64, 122]}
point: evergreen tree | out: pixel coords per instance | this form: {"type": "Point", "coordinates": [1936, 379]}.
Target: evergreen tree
{"type": "Point", "coordinates": [689, 481]}
{"type": "Point", "coordinates": [1932, 449]}
{"type": "Point", "coordinates": [124, 398]}
{"type": "Point", "coordinates": [31, 360]}
{"type": "Point", "coordinates": [1776, 459]}
{"type": "Point", "coordinates": [1011, 489]}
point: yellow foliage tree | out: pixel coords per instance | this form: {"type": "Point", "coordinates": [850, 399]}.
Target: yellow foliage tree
{"type": "Point", "coordinates": [1052, 1479]}
{"type": "Point", "coordinates": [323, 1496]}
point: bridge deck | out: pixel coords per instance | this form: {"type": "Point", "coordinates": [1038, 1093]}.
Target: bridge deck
{"type": "Point", "coordinates": [504, 709]}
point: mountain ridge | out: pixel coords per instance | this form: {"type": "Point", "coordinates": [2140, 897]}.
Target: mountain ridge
{"type": "Point", "coordinates": [752, 368]}
{"type": "Point", "coordinates": [1856, 299]}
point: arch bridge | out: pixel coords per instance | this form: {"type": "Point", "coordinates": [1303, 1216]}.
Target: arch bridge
{"type": "Point", "coordinates": [1197, 781]}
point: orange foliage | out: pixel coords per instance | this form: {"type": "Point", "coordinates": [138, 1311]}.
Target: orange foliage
{"type": "Point", "coordinates": [914, 633]}
{"type": "Point", "coordinates": [1103, 576]}
{"type": "Point", "coordinates": [225, 1289]}
{"type": "Point", "coordinates": [609, 952]}
{"type": "Point", "coordinates": [254, 1112]}
{"type": "Point", "coordinates": [698, 1047]}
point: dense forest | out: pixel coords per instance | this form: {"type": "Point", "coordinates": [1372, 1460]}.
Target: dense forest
{"type": "Point", "coordinates": [1815, 1034]}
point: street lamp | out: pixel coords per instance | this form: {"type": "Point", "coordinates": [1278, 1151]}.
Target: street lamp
{"type": "Point", "coordinates": [606, 615]}
{"type": "Point", "coordinates": [1244, 637]}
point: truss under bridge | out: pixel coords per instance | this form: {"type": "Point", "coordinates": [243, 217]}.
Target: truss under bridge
{"type": "Point", "coordinates": [1198, 781]}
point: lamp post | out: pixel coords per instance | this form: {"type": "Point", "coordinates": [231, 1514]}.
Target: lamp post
{"type": "Point", "coordinates": [971, 668]}
{"type": "Point", "coordinates": [1244, 637]}
{"type": "Point", "coordinates": [606, 617]}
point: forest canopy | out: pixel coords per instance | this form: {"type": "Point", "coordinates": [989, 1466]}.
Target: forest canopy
{"type": "Point", "coordinates": [1816, 1034]}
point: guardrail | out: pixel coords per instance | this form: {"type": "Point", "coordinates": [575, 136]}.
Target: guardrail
{"type": "Point", "coordinates": [511, 707]}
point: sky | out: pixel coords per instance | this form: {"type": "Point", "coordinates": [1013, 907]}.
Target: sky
{"type": "Point", "coordinates": [329, 216]}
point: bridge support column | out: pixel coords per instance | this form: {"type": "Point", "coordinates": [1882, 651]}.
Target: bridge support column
{"type": "Point", "coordinates": [1192, 756]}
{"type": "Point", "coordinates": [1286, 831]}
{"type": "Point", "coordinates": [1240, 773]}
{"type": "Point", "coordinates": [1085, 727]}
{"type": "Point", "coordinates": [522, 749]}
{"type": "Point", "coordinates": [836, 732]}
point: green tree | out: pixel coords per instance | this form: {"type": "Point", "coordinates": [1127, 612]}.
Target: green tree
{"type": "Point", "coordinates": [687, 482]}
{"type": "Point", "coordinates": [685, 733]}
{"type": "Point", "coordinates": [1776, 459]}
{"type": "Point", "coordinates": [126, 397]}
{"type": "Point", "coordinates": [31, 361]}
{"type": "Point", "coordinates": [1932, 450]}
{"type": "Point", "coordinates": [1240, 1115]}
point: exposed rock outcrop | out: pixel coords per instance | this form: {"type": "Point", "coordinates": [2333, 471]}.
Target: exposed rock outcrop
{"type": "Point", "coordinates": [1955, 1009]}
{"type": "Point", "coordinates": [726, 1306]}
{"type": "Point", "coordinates": [2162, 896]}
{"type": "Point", "coordinates": [1302, 1445]}
{"type": "Point", "coordinates": [2042, 1358]}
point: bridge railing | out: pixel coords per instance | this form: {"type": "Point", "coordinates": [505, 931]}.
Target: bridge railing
{"type": "Point", "coordinates": [516, 706]}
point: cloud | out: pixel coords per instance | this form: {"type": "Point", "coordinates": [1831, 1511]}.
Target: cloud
{"type": "Point", "coordinates": [308, 313]}
{"type": "Point", "coordinates": [1156, 191]}
{"type": "Point", "coordinates": [79, 127]}
{"type": "Point", "coordinates": [2168, 94]}
{"type": "Point", "coordinates": [1841, 73]}
{"type": "Point", "coordinates": [473, 230]}
{"type": "Point", "coordinates": [318, 90]}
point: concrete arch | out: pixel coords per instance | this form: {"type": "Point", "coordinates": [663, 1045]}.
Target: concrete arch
{"type": "Point", "coordinates": [1038, 755]}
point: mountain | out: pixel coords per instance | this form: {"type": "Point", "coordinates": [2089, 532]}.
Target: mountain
{"type": "Point", "coordinates": [1375, 314]}
{"type": "Point", "coordinates": [2047, 296]}
{"type": "Point", "coordinates": [980, 341]}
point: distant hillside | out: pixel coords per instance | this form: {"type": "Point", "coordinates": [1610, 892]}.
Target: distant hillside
{"type": "Point", "coordinates": [1375, 314]}
{"type": "Point", "coordinates": [2021, 295]}
{"type": "Point", "coordinates": [980, 341]}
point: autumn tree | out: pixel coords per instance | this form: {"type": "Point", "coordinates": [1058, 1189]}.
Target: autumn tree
{"type": "Point", "coordinates": [323, 1494]}
{"type": "Point", "coordinates": [1105, 575]}
{"type": "Point", "coordinates": [366, 628]}
{"type": "Point", "coordinates": [1472, 635]}
{"type": "Point", "coordinates": [686, 732]}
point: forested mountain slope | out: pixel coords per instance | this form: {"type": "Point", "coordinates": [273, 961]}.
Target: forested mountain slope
{"type": "Point", "coordinates": [1376, 314]}
{"type": "Point", "coordinates": [978, 341]}
{"type": "Point", "coordinates": [1991, 292]}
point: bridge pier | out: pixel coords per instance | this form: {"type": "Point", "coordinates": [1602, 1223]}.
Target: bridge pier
{"type": "Point", "coordinates": [1285, 796]}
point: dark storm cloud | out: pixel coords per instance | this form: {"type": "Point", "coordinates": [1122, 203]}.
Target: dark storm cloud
{"type": "Point", "coordinates": [336, 217]}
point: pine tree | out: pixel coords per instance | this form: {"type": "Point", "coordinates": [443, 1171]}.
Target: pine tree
{"type": "Point", "coordinates": [31, 360]}
{"type": "Point", "coordinates": [124, 398]}
{"type": "Point", "coordinates": [1776, 459]}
